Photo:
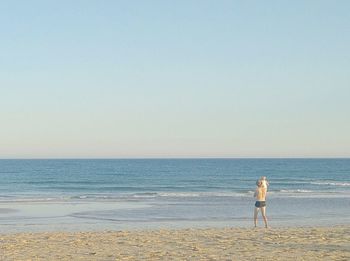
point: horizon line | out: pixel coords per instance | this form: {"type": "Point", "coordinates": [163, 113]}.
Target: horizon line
{"type": "Point", "coordinates": [169, 158]}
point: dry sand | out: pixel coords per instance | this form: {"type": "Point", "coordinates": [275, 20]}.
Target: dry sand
{"type": "Point", "coordinates": [332, 243]}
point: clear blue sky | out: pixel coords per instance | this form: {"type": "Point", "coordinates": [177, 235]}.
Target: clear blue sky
{"type": "Point", "coordinates": [174, 79]}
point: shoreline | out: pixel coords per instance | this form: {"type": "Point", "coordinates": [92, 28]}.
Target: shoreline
{"type": "Point", "coordinates": [150, 226]}
{"type": "Point", "coordinates": [280, 243]}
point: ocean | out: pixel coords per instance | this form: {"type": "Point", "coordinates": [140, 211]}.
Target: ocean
{"type": "Point", "coordinates": [117, 194]}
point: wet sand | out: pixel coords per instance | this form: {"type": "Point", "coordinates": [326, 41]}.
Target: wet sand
{"type": "Point", "coordinates": [312, 243]}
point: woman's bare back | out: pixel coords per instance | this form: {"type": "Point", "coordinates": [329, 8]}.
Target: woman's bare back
{"type": "Point", "coordinates": [260, 194]}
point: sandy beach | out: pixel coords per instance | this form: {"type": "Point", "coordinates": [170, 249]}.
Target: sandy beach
{"type": "Point", "coordinates": [317, 243]}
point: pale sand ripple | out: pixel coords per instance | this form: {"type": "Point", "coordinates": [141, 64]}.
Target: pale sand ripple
{"type": "Point", "coordinates": [317, 243]}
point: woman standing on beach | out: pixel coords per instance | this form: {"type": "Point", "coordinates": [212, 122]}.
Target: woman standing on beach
{"type": "Point", "coordinates": [260, 195]}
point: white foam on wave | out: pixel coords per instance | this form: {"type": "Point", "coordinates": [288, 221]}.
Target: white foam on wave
{"type": "Point", "coordinates": [204, 194]}
{"type": "Point", "coordinates": [24, 199]}
{"type": "Point", "coordinates": [331, 183]}
{"type": "Point", "coordinates": [295, 191]}
{"type": "Point", "coordinates": [145, 195]}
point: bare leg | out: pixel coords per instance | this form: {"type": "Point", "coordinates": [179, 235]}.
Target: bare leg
{"type": "Point", "coordinates": [263, 213]}
{"type": "Point", "coordinates": [256, 210]}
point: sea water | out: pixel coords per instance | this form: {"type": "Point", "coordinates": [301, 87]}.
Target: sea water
{"type": "Point", "coordinates": [103, 194]}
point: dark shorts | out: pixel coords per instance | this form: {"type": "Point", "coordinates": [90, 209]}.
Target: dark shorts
{"type": "Point", "coordinates": [260, 204]}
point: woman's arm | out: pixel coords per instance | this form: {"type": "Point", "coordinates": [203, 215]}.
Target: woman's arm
{"type": "Point", "coordinates": [265, 192]}
{"type": "Point", "coordinates": [256, 193]}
